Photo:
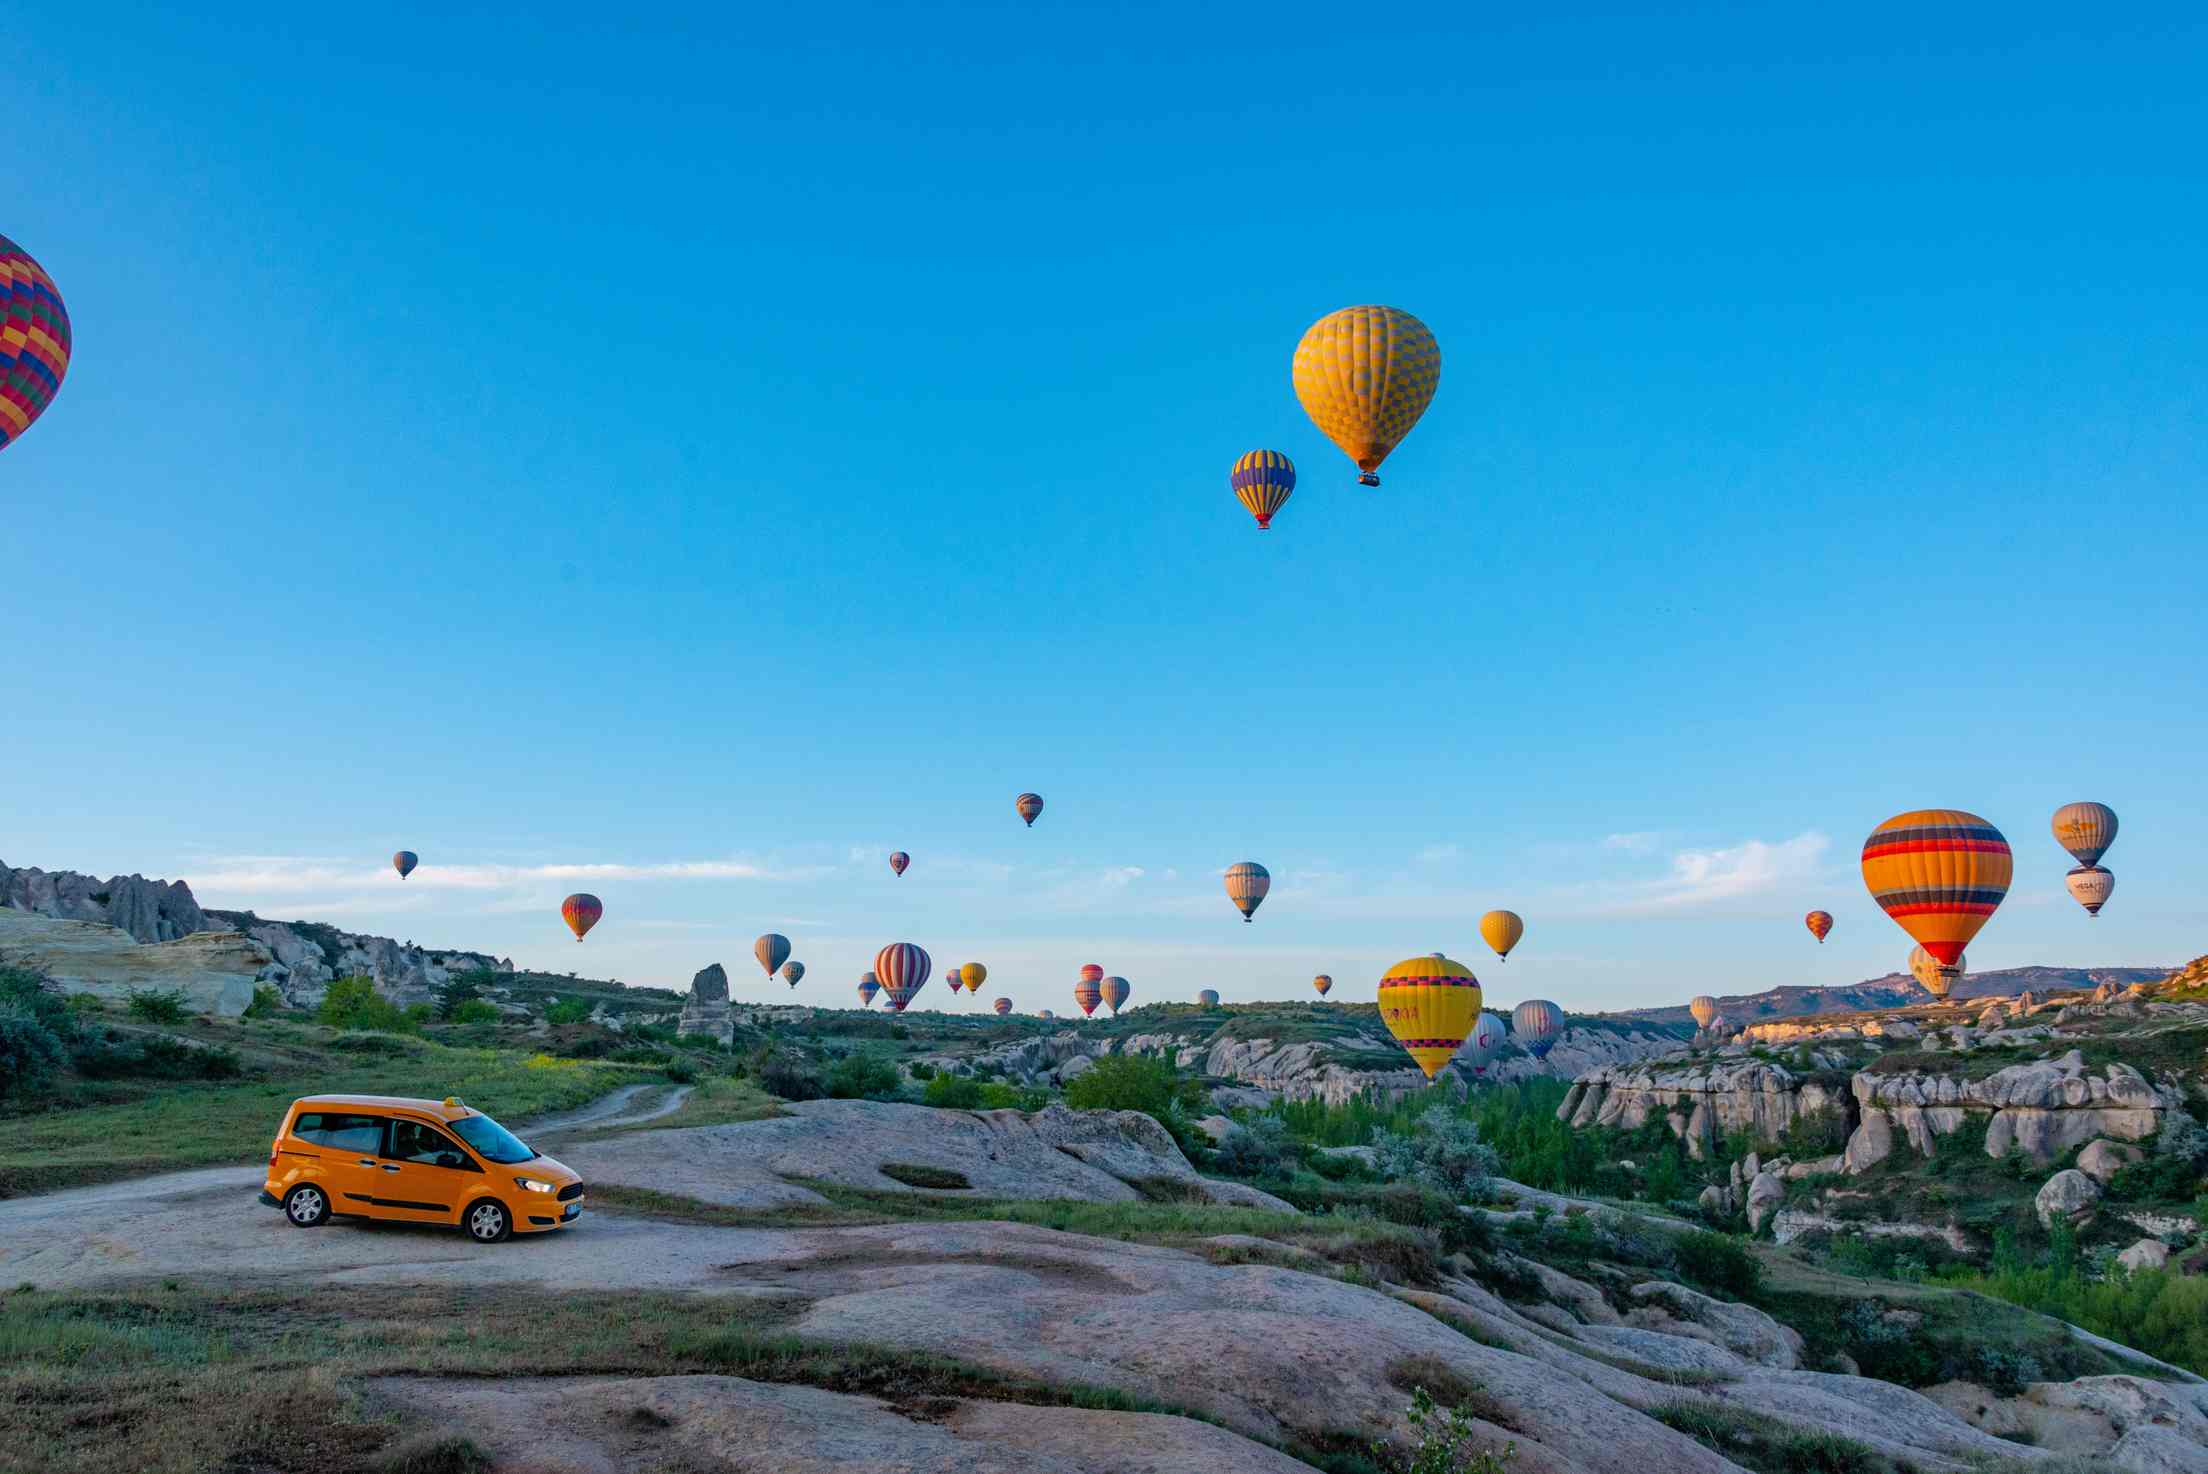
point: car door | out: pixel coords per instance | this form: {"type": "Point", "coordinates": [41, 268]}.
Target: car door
{"type": "Point", "coordinates": [426, 1174]}
{"type": "Point", "coordinates": [347, 1147]}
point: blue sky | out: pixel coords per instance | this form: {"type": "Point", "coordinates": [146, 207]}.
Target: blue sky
{"type": "Point", "coordinates": [714, 449]}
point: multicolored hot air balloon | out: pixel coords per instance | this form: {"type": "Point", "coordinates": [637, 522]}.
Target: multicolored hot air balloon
{"type": "Point", "coordinates": [1089, 992]}
{"type": "Point", "coordinates": [903, 970]}
{"type": "Point", "coordinates": [1003, 1006]}
{"type": "Point", "coordinates": [954, 977]}
{"type": "Point", "coordinates": [1208, 998]}
{"type": "Point", "coordinates": [1430, 1004]}
{"type": "Point", "coordinates": [1936, 976]}
{"type": "Point", "coordinates": [1819, 924]}
{"type": "Point", "coordinates": [1704, 1009]}
{"type": "Point", "coordinates": [1501, 931]}
{"type": "Point", "coordinates": [1092, 972]}
{"type": "Point", "coordinates": [404, 862]}
{"type": "Point", "coordinates": [1364, 376]}
{"type": "Point", "coordinates": [2090, 886]}
{"type": "Point", "coordinates": [1939, 873]}
{"type": "Point", "coordinates": [1029, 805]}
{"type": "Point", "coordinates": [581, 912]}
{"type": "Point", "coordinates": [898, 860]}
{"type": "Point", "coordinates": [1247, 883]}
{"type": "Point", "coordinates": [1263, 480]}
{"type": "Point", "coordinates": [1045, 1013]}
{"type": "Point", "coordinates": [869, 985]}
{"type": "Point", "coordinates": [1536, 1025]}
{"type": "Point", "coordinates": [975, 975]}
{"type": "Point", "coordinates": [772, 950]}
{"type": "Point", "coordinates": [2086, 830]}
{"type": "Point", "coordinates": [34, 341]}
{"type": "Point", "coordinates": [1115, 991]}
{"type": "Point", "coordinates": [793, 972]}
{"type": "Point", "coordinates": [1482, 1044]}
{"type": "Point", "coordinates": [1323, 983]}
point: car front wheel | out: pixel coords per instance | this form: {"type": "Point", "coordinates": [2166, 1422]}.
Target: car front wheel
{"type": "Point", "coordinates": [307, 1206]}
{"type": "Point", "coordinates": [488, 1222]}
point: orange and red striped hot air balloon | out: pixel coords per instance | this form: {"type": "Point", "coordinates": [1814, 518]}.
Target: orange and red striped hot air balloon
{"type": "Point", "coordinates": [1819, 924]}
{"type": "Point", "coordinates": [1263, 480]}
{"type": "Point", "coordinates": [1003, 1006]}
{"type": "Point", "coordinates": [1092, 972]}
{"type": "Point", "coordinates": [1939, 873]}
{"type": "Point", "coordinates": [581, 912]}
{"type": "Point", "coordinates": [1430, 1004]}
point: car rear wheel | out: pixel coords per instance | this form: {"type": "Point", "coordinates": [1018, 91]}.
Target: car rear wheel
{"type": "Point", "coordinates": [307, 1206]}
{"type": "Point", "coordinates": [488, 1222]}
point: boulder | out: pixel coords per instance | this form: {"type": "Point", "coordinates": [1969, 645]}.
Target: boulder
{"type": "Point", "coordinates": [1871, 1143]}
{"type": "Point", "coordinates": [2102, 1159]}
{"type": "Point", "coordinates": [2068, 1195]}
{"type": "Point", "coordinates": [1765, 1195]}
{"type": "Point", "coordinates": [710, 984]}
{"type": "Point", "coordinates": [1741, 1329]}
{"type": "Point", "coordinates": [2145, 1254]}
{"type": "Point", "coordinates": [149, 910]}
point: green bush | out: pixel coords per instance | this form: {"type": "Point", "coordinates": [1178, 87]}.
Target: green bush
{"type": "Point", "coordinates": [996, 1096]}
{"type": "Point", "coordinates": [29, 1050]}
{"type": "Point", "coordinates": [1260, 1148]}
{"type": "Point", "coordinates": [786, 1073]}
{"type": "Point", "coordinates": [863, 1075]}
{"type": "Point", "coordinates": [159, 1005]}
{"type": "Point", "coordinates": [567, 1011]}
{"type": "Point", "coordinates": [354, 1003]}
{"type": "Point", "coordinates": [921, 1070]}
{"type": "Point", "coordinates": [27, 990]}
{"type": "Point", "coordinates": [153, 1057]}
{"type": "Point", "coordinates": [953, 1093]}
{"type": "Point", "coordinates": [681, 1071]}
{"type": "Point", "coordinates": [1718, 1262]}
{"type": "Point", "coordinates": [1130, 1082]}
{"type": "Point", "coordinates": [474, 1011]}
{"type": "Point", "coordinates": [267, 1002]}
{"type": "Point", "coordinates": [1442, 1150]}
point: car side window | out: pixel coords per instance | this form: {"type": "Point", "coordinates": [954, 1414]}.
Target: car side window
{"type": "Point", "coordinates": [340, 1131]}
{"type": "Point", "coordinates": [411, 1141]}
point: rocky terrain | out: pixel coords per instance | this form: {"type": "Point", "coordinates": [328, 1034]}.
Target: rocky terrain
{"type": "Point", "coordinates": [1897, 990]}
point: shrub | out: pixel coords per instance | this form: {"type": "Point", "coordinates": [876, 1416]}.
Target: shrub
{"type": "Point", "coordinates": [354, 1003]}
{"type": "Point", "coordinates": [953, 1092]}
{"type": "Point", "coordinates": [267, 1002]}
{"type": "Point", "coordinates": [1259, 1149]}
{"type": "Point", "coordinates": [863, 1075]}
{"type": "Point", "coordinates": [27, 990]}
{"type": "Point", "coordinates": [474, 1011]}
{"type": "Point", "coordinates": [787, 1074]}
{"type": "Point", "coordinates": [1445, 1443]}
{"type": "Point", "coordinates": [29, 1050]}
{"type": "Point", "coordinates": [567, 1011]}
{"type": "Point", "coordinates": [1720, 1262]}
{"type": "Point", "coordinates": [680, 1071]}
{"type": "Point", "coordinates": [921, 1070]}
{"type": "Point", "coordinates": [373, 1044]}
{"type": "Point", "coordinates": [1443, 1150]}
{"type": "Point", "coordinates": [462, 988]}
{"type": "Point", "coordinates": [996, 1096]}
{"type": "Point", "coordinates": [1126, 1082]}
{"type": "Point", "coordinates": [159, 1005]}
{"type": "Point", "coordinates": [158, 1057]}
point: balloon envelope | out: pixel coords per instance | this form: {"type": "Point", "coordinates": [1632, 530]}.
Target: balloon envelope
{"type": "Point", "coordinates": [1323, 983]}
{"type": "Point", "coordinates": [1939, 873]}
{"type": "Point", "coordinates": [954, 977]}
{"type": "Point", "coordinates": [2086, 830]}
{"type": "Point", "coordinates": [1482, 1044]}
{"type": "Point", "coordinates": [1029, 805]}
{"type": "Point", "coordinates": [1089, 992]}
{"type": "Point", "coordinates": [1429, 1004]}
{"type": "Point", "coordinates": [1209, 997]}
{"type": "Point", "coordinates": [1501, 931]}
{"type": "Point", "coordinates": [868, 987]}
{"type": "Point", "coordinates": [975, 975]}
{"type": "Point", "coordinates": [34, 341]}
{"type": "Point", "coordinates": [1704, 1009]}
{"type": "Point", "coordinates": [793, 972]}
{"type": "Point", "coordinates": [1263, 479]}
{"type": "Point", "coordinates": [2090, 886]}
{"type": "Point", "coordinates": [1091, 973]}
{"type": "Point", "coordinates": [1115, 991]}
{"type": "Point", "coordinates": [1819, 924]}
{"type": "Point", "coordinates": [902, 969]}
{"type": "Point", "coordinates": [1937, 977]}
{"type": "Point", "coordinates": [1247, 883]}
{"type": "Point", "coordinates": [1003, 1006]}
{"type": "Point", "coordinates": [404, 862]}
{"type": "Point", "coordinates": [1364, 375]}
{"type": "Point", "coordinates": [772, 950]}
{"type": "Point", "coordinates": [581, 912]}
{"type": "Point", "coordinates": [1537, 1024]}
{"type": "Point", "coordinates": [898, 860]}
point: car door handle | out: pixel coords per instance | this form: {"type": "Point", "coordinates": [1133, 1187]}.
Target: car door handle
{"type": "Point", "coordinates": [387, 1167]}
{"type": "Point", "coordinates": [367, 1162]}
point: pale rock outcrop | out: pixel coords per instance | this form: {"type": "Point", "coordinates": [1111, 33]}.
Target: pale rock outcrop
{"type": "Point", "coordinates": [149, 910]}
{"type": "Point", "coordinates": [1789, 1224]}
{"type": "Point", "coordinates": [1741, 1329]}
{"type": "Point", "coordinates": [308, 957]}
{"type": "Point", "coordinates": [706, 1010]}
{"type": "Point", "coordinates": [1765, 1194]}
{"type": "Point", "coordinates": [1871, 1143]}
{"type": "Point", "coordinates": [2043, 1108]}
{"type": "Point", "coordinates": [2102, 1159]}
{"type": "Point", "coordinates": [2068, 1195]}
{"type": "Point", "coordinates": [1733, 1094]}
{"type": "Point", "coordinates": [216, 971]}
{"type": "Point", "coordinates": [2145, 1254]}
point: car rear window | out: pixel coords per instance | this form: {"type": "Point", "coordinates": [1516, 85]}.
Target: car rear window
{"type": "Point", "coordinates": [342, 1132]}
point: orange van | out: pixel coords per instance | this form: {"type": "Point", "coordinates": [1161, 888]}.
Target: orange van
{"type": "Point", "coordinates": [414, 1161]}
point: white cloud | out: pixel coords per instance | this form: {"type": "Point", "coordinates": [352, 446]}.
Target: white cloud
{"type": "Point", "coordinates": [1641, 842]}
{"type": "Point", "coordinates": [1705, 877]}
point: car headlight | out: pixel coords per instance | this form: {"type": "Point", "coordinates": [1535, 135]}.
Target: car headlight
{"type": "Point", "coordinates": [533, 1185]}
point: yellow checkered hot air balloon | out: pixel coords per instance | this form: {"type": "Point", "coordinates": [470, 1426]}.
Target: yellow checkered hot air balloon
{"type": "Point", "coordinates": [1430, 1004]}
{"type": "Point", "coordinates": [1364, 376]}
{"type": "Point", "coordinates": [1939, 873]}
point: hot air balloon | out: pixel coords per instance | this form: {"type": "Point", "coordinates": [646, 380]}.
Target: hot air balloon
{"type": "Point", "coordinates": [1939, 873]}
{"type": "Point", "coordinates": [1091, 973]}
{"type": "Point", "coordinates": [1537, 1024]}
{"type": "Point", "coordinates": [793, 972]}
{"type": "Point", "coordinates": [1501, 931]}
{"type": "Point", "coordinates": [1429, 1003]}
{"type": "Point", "coordinates": [1364, 376]}
{"type": "Point", "coordinates": [34, 341]}
{"type": "Point", "coordinates": [1704, 1009]}
{"type": "Point", "coordinates": [903, 970]}
{"type": "Point", "coordinates": [1323, 983]}
{"type": "Point", "coordinates": [1003, 1006]}
{"type": "Point", "coordinates": [898, 860]}
{"type": "Point", "coordinates": [1247, 883]}
{"type": "Point", "coordinates": [1819, 923]}
{"type": "Point", "coordinates": [1208, 998]}
{"type": "Point", "coordinates": [1045, 1013]}
{"type": "Point", "coordinates": [2090, 886]}
{"type": "Point", "coordinates": [772, 950]}
{"type": "Point", "coordinates": [869, 985]}
{"type": "Point", "coordinates": [1029, 805]}
{"type": "Point", "coordinates": [1482, 1044]}
{"type": "Point", "coordinates": [1263, 480]}
{"type": "Point", "coordinates": [1936, 976]}
{"type": "Point", "coordinates": [1115, 991]}
{"type": "Point", "coordinates": [2085, 830]}
{"type": "Point", "coordinates": [1088, 993]}
{"type": "Point", "coordinates": [975, 975]}
{"type": "Point", "coordinates": [581, 912]}
{"type": "Point", "coordinates": [404, 862]}
{"type": "Point", "coordinates": [955, 978]}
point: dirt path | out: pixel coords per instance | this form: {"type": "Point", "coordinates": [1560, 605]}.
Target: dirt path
{"type": "Point", "coordinates": [613, 1110]}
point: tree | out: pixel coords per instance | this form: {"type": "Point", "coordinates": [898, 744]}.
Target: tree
{"type": "Point", "coordinates": [1443, 1150]}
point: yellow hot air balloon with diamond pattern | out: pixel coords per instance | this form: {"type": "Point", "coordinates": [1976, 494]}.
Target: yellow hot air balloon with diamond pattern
{"type": "Point", "coordinates": [1430, 1004]}
{"type": "Point", "coordinates": [1364, 376]}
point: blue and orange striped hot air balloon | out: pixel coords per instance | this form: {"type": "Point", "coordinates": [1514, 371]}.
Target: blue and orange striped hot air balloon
{"type": "Point", "coordinates": [1939, 873]}
{"type": "Point", "coordinates": [869, 985]}
{"type": "Point", "coordinates": [1247, 883]}
{"type": "Point", "coordinates": [903, 970]}
{"type": "Point", "coordinates": [404, 862]}
{"type": "Point", "coordinates": [34, 341]}
{"type": "Point", "coordinates": [772, 950]}
{"type": "Point", "coordinates": [1263, 479]}
{"type": "Point", "coordinates": [1115, 992]}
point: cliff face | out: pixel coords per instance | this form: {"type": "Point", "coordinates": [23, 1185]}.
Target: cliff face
{"type": "Point", "coordinates": [308, 956]}
{"type": "Point", "coordinates": [216, 971]}
{"type": "Point", "coordinates": [150, 910]}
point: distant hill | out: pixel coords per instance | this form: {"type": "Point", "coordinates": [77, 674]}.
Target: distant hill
{"type": "Point", "coordinates": [1896, 990]}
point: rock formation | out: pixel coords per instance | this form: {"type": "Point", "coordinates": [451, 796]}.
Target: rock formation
{"type": "Point", "coordinates": [1699, 1099]}
{"type": "Point", "coordinates": [215, 971]}
{"type": "Point", "coordinates": [706, 1010]}
{"type": "Point", "coordinates": [149, 910]}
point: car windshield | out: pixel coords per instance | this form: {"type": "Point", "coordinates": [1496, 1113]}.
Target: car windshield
{"type": "Point", "coordinates": [491, 1140]}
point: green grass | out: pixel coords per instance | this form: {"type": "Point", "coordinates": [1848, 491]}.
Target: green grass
{"type": "Point", "coordinates": [916, 1174]}
{"type": "Point", "coordinates": [1770, 1446]}
{"type": "Point", "coordinates": [82, 1132]}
